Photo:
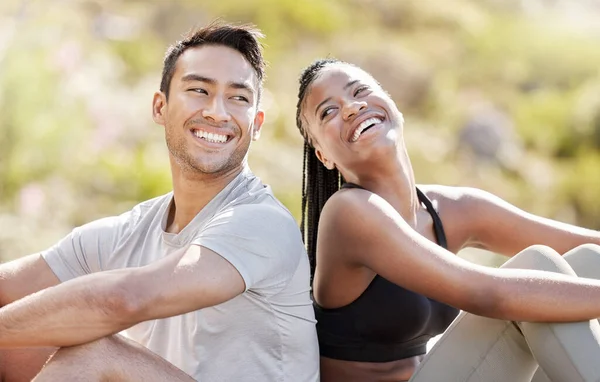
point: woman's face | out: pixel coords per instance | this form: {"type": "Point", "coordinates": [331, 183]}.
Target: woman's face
{"type": "Point", "coordinates": [350, 117]}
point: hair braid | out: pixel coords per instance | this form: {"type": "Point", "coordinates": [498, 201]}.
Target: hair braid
{"type": "Point", "coordinates": [318, 182]}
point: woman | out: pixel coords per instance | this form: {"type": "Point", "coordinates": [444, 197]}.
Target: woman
{"type": "Point", "coordinates": [385, 276]}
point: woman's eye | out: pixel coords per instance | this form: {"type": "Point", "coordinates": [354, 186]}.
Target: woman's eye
{"type": "Point", "coordinates": [326, 112]}
{"type": "Point", "coordinates": [360, 90]}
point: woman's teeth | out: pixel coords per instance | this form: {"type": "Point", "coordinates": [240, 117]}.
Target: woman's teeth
{"type": "Point", "coordinates": [210, 137]}
{"type": "Point", "coordinates": [363, 126]}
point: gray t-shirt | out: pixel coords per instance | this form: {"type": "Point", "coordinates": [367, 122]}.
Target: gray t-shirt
{"type": "Point", "coordinates": [265, 334]}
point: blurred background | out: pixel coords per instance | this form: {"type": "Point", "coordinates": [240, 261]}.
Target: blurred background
{"type": "Point", "coordinates": [503, 95]}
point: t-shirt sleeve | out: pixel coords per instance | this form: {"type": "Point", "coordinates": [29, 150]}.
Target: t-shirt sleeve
{"type": "Point", "coordinates": [262, 242]}
{"type": "Point", "coordinates": [81, 252]}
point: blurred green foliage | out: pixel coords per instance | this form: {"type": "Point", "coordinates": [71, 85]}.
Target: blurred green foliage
{"type": "Point", "coordinates": [501, 95]}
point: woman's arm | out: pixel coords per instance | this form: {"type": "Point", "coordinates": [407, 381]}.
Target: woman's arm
{"type": "Point", "coordinates": [500, 227]}
{"type": "Point", "coordinates": [371, 233]}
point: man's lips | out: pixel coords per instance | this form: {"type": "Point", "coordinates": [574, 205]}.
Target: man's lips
{"type": "Point", "coordinates": [212, 135]}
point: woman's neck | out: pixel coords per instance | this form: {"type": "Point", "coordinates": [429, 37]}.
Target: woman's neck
{"type": "Point", "coordinates": [394, 181]}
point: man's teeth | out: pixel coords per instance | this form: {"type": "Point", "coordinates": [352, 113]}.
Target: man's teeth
{"type": "Point", "coordinates": [211, 137]}
{"type": "Point", "coordinates": [363, 126]}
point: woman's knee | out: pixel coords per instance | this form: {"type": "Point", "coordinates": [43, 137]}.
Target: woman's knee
{"type": "Point", "coordinates": [585, 260]}
{"type": "Point", "coordinates": [540, 257]}
{"type": "Point", "coordinates": [592, 250]}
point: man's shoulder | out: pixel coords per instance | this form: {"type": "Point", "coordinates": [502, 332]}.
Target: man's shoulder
{"type": "Point", "coordinates": [254, 196]}
{"type": "Point", "coordinates": [148, 209]}
{"type": "Point", "coordinates": [150, 205]}
{"type": "Point", "coordinates": [258, 212]}
{"type": "Point", "coordinates": [127, 221]}
{"type": "Point", "coordinates": [260, 206]}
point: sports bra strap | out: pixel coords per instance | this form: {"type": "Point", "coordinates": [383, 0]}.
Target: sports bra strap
{"type": "Point", "coordinates": [438, 228]}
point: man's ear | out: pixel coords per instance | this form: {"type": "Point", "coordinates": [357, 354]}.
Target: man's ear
{"type": "Point", "coordinates": [326, 162]}
{"type": "Point", "coordinates": [159, 103]}
{"type": "Point", "coordinates": [259, 119]}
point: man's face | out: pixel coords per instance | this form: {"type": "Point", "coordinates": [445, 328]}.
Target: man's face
{"type": "Point", "coordinates": [212, 111]}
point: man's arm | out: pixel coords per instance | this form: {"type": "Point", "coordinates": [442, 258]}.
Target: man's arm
{"type": "Point", "coordinates": [97, 305]}
{"type": "Point", "coordinates": [19, 278]}
{"type": "Point", "coordinates": [24, 276]}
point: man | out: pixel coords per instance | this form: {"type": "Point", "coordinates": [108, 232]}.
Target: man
{"type": "Point", "coordinates": [212, 278]}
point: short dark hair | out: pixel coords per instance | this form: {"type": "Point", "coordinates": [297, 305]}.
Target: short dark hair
{"type": "Point", "coordinates": [318, 182]}
{"type": "Point", "coordinates": [243, 38]}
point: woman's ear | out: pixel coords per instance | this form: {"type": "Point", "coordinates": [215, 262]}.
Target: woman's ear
{"type": "Point", "coordinates": [326, 162]}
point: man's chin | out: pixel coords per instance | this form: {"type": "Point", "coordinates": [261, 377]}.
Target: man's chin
{"type": "Point", "coordinates": [216, 168]}
{"type": "Point", "coordinates": [197, 162]}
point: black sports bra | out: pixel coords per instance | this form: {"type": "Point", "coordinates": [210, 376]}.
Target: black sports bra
{"type": "Point", "coordinates": [386, 322]}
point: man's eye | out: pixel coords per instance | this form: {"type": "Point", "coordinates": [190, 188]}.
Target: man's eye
{"type": "Point", "coordinates": [360, 90]}
{"type": "Point", "coordinates": [198, 90]}
{"type": "Point", "coordinates": [326, 112]}
{"type": "Point", "coordinates": [240, 98]}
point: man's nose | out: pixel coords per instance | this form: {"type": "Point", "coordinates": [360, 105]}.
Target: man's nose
{"type": "Point", "coordinates": [216, 110]}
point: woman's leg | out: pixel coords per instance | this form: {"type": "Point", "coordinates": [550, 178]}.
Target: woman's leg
{"type": "Point", "coordinates": [476, 348]}
{"type": "Point", "coordinates": [585, 261]}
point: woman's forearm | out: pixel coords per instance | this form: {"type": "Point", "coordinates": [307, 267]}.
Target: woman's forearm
{"type": "Point", "coordinates": [538, 296]}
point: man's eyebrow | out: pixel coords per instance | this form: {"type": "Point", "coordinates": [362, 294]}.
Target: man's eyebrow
{"type": "Point", "coordinates": [349, 84]}
{"type": "Point", "coordinates": [232, 84]}
{"type": "Point", "coordinates": [197, 77]}
{"type": "Point", "coordinates": [241, 85]}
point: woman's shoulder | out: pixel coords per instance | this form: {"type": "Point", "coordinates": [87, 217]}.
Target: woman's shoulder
{"type": "Point", "coordinates": [453, 197]}
{"type": "Point", "coordinates": [348, 209]}
{"type": "Point", "coordinates": [458, 205]}
{"type": "Point", "coordinates": [348, 201]}
{"type": "Point", "coordinates": [455, 193]}
{"type": "Point", "coordinates": [464, 212]}
{"type": "Point", "coordinates": [356, 200]}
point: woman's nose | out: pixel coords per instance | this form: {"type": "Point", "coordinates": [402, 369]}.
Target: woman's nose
{"type": "Point", "coordinates": [352, 108]}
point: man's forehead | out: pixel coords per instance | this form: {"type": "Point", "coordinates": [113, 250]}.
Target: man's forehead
{"type": "Point", "coordinates": [217, 62]}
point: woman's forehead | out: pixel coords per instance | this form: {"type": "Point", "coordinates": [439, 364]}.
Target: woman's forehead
{"type": "Point", "coordinates": [340, 74]}
{"type": "Point", "coordinates": [333, 79]}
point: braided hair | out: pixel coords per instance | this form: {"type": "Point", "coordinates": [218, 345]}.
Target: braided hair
{"type": "Point", "coordinates": [318, 182]}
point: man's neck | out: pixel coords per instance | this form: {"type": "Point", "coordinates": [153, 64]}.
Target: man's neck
{"type": "Point", "coordinates": [192, 192]}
